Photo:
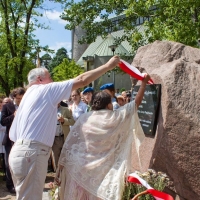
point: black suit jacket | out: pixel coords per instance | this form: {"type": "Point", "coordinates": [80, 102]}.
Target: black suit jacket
{"type": "Point", "coordinates": [7, 116]}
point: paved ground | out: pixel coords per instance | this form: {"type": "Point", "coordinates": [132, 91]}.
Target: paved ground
{"type": "Point", "coordinates": [5, 195]}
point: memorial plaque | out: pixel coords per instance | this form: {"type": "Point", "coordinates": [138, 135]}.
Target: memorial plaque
{"type": "Point", "coordinates": [148, 109]}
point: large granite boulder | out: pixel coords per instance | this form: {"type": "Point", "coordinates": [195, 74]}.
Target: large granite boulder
{"type": "Point", "coordinates": [175, 149]}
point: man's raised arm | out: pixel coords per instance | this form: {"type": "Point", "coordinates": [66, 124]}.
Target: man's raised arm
{"type": "Point", "coordinates": [89, 76]}
{"type": "Point", "coordinates": [140, 94]}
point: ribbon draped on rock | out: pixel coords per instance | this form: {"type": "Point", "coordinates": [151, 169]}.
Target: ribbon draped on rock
{"type": "Point", "coordinates": [135, 178]}
{"type": "Point", "coordinates": [133, 71]}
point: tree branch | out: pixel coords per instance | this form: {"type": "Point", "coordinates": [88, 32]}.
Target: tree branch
{"type": "Point", "coordinates": [24, 2]}
{"type": "Point", "coordinates": [26, 31]}
{"type": "Point", "coordinates": [5, 10]}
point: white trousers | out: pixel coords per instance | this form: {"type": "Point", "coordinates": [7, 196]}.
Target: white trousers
{"type": "Point", "coordinates": [28, 162]}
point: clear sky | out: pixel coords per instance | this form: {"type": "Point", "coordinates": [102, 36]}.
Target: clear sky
{"type": "Point", "coordinates": [58, 36]}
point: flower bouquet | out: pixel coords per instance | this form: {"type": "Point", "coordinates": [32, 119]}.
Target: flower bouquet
{"type": "Point", "coordinates": [147, 186]}
{"type": "Point", "coordinates": [55, 186]}
{"type": "Point", "coordinates": [54, 191]}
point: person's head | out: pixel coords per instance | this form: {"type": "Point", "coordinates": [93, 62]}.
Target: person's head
{"type": "Point", "coordinates": [83, 98]}
{"type": "Point", "coordinates": [17, 95]}
{"type": "Point", "coordinates": [101, 100]}
{"type": "Point", "coordinates": [87, 93]}
{"type": "Point", "coordinates": [39, 75]}
{"type": "Point", "coordinates": [128, 94]}
{"type": "Point", "coordinates": [6, 100]}
{"type": "Point", "coordinates": [109, 88]}
{"type": "Point", "coordinates": [11, 96]}
{"type": "Point", "coordinates": [120, 100]}
{"type": "Point", "coordinates": [76, 97]}
{"type": "Point", "coordinates": [63, 104]}
{"type": "Point", "coordinates": [117, 91]}
{"type": "Point", "coordinates": [124, 94]}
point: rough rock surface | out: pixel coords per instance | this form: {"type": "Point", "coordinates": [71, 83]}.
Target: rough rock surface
{"type": "Point", "coordinates": [175, 149]}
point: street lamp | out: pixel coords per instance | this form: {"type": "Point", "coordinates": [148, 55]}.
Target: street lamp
{"type": "Point", "coordinates": [38, 57]}
{"type": "Point", "coordinates": [113, 48]}
{"type": "Point", "coordinates": [88, 59]}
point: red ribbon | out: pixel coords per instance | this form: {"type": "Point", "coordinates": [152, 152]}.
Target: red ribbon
{"type": "Point", "coordinates": [159, 194]}
{"type": "Point", "coordinates": [133, 71]}
{"type": "Point", "coordinates": [133, 178]}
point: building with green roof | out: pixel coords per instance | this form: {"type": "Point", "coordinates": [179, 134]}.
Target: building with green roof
{"type": "Point", "coordinates": [100, 51]}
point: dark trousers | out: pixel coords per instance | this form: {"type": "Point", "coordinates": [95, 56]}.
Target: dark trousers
{"type": "Point", "coordinates": [9, 181]}
{"type": "Point", "coordinates": [3, 163]}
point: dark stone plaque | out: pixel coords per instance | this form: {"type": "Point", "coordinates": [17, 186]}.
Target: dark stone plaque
{"type": "Point", "coordinates": [148, 109]}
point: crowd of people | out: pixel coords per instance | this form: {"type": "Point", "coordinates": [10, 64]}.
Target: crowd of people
{"type": "Point", "coordinates": [9, 106]}
{"type": "Point", "coordinates": [88, 137]}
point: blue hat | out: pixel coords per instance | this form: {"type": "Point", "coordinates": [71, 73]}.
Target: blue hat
{"type": "Point", "coordinates": [88, 89]}
{"type": "Point", "coordinates": [107, 86]}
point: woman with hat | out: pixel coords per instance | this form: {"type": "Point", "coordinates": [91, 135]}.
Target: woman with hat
{"type": "Point", "coordinates": [110, 89]}
{"type": "Point", "coordinates": [87, 93]}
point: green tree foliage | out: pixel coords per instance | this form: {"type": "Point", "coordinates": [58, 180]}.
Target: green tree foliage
{"type": "Point", "coordinates": [60, 55]}
{"type": "Point", "coordinates": [68, 69]}
{"type": "Point", "coordinates": [173, 20]}
{"type": "Point", "coordinates": [16, 41]}
{"type": "Point", "coordinates": [19, 19]}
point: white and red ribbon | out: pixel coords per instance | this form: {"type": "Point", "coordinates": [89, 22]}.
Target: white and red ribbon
{"type": "Point", "coordinates": [134, 178]}
{"type": "Point", "coordinates": [133, 71]}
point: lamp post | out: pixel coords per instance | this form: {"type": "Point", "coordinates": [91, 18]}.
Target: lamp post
{"type": "Point", "coordinates": [38, 57]}
{"type": "Point", "coordinates": [88, 59]}
{"type": "Point", "coordinates": [113, 48]}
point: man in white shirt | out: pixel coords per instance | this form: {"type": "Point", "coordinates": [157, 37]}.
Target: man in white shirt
{"type": "Point", "coordinates": [34, 126]}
